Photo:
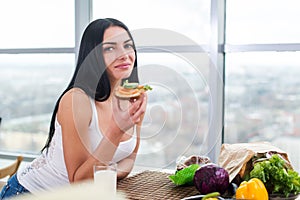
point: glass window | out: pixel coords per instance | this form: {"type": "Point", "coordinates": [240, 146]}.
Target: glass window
{"type": "Point", "coordinates": [36, 24]}
{"type": "Point", "coordinates": [176, 120]}
{"type": "Point", "coordinates": [262, 100]}
{"type": "Point", "coordinates": [30, 85]}
{"type": "Point", "coordinates": [190, 18]}
{"type": "Point", "coordinates": [264, 22]}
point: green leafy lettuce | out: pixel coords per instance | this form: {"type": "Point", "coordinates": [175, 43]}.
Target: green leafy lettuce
{"type": "Point", "coordinates": [134, 85]}
{"type": "Point", "coordinates": [184, 176]}
{"type": "Point", "coordinates": [277, 178]}
{"type": "Point", "coordinates": [147, 87]}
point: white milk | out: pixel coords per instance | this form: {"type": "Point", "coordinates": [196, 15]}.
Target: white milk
{"type": "Point", "coordinates": [106, 180]}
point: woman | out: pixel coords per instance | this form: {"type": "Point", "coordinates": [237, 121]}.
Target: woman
{"type": "Point", "coordinates": [89, 124]}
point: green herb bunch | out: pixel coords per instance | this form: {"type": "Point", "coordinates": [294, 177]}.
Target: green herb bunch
{"type": "Point", "coordinates": [277, 177]}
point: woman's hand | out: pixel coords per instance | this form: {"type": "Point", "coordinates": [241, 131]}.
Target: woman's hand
{"type": "Point", "coordinates": [128, 113]}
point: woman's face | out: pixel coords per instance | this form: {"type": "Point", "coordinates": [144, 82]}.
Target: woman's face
{"type": "Point", "coordinates": [118, 53]}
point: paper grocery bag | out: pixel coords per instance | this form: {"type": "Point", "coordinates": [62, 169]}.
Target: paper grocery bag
{"type": "Point", "coordinates": [236, 158]}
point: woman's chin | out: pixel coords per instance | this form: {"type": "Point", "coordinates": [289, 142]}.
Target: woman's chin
{"type": "Point", "coordinates": [125, 76]}
{"type": "Point", "coordinates": [120, 75]}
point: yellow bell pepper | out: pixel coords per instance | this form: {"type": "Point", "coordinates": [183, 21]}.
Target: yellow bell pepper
{"type": "Point", "coordinates": [252, 189]}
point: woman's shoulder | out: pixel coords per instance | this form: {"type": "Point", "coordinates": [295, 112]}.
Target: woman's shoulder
{"type": "Point", "coordinates": [75, 102]}
{"type": "Point", "coordinates": [77, 91]}
{"type": "Point", "coordinates": [75, 96]}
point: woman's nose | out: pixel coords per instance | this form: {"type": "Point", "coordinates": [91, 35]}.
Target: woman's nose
{"type": "Point", "coordinates": [123, 53]}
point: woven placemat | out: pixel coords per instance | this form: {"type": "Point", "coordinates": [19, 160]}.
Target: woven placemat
{"type": "Point", "coordinates": [153, 185]}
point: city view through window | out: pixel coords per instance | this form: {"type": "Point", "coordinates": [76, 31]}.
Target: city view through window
{"type": "Point", "coordinates": [262, 100]}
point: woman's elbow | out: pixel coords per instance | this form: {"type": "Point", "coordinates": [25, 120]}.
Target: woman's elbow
{"type": "Point", "coordinates": [122, 175]}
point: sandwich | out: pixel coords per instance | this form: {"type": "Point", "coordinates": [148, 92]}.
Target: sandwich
{"type": "Point", "coordinates": [131, 90]}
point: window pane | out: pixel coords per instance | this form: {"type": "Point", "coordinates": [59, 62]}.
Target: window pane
{"type": "Point", "coordinates": [268, 21]}
{"type": "Point", "coordinates": [49, 24]}
{"type": "Point", "coordinates": [176, 120]}
{"type": "Point", "coordinates": [30, 85]}
{"type": "Point", "coordinates": [262, 100]}
{"type": "Point", "coordinates": [190, 18]}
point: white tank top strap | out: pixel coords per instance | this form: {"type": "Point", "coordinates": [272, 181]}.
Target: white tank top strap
{"type": "Point", "coordinates": [94, 121]}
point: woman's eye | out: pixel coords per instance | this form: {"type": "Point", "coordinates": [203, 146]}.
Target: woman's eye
{"type": "Point", "coordinates": [128, 46]}
{"type": "Point", "coordinates": [107, 49]}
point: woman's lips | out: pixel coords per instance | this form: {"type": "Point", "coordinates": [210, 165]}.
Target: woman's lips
{"type": "Point", "coordinates": [123, 66]}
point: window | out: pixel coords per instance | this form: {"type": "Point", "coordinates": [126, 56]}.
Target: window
{"type": "Point", "coordinates": [262, 66]}
{"type": "Point", "coordinates": [262, 22]}
{"type": "Point", "coordinates": [36, 62]}
{"type": "Point", "coordinates": [176, 47]}
{"type": "Point", "coordinates": [37, 24]}
{"type": "Point", "coordinates": [176, 121]}
{"type": "Point", "coordinates": [30, 85]}
{"type": "Point", "coordinates": [190, 18]}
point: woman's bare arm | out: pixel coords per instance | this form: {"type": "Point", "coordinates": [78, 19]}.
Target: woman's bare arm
{"type": "Point", "coordinates": [125, 166]}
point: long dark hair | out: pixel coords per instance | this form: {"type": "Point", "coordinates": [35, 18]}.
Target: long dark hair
{"type": "Point", "coordinates": [90, 73]}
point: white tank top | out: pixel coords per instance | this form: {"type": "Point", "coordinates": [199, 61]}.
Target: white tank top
{"type": "Point", "coordinates": [48, 171]}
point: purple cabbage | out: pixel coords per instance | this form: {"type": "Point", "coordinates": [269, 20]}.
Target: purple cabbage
{"type": "Point", "coordinates": [211, 178]}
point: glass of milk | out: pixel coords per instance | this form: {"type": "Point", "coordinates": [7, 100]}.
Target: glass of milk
{"type": "Point", "coordinates": [105, 176]}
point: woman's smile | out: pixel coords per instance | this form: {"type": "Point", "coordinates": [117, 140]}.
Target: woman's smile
{"type": "Point", "coordinates": [123, 66]}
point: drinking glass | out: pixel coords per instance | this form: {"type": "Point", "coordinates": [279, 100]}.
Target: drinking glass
{"type": "Point", "coordinates": [105, 176]}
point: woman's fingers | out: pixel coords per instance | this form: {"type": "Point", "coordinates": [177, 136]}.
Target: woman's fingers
{"type": "Point", "coordinates": [125, 118]}
{"type": "Point", "coordinates": [138, 108]}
